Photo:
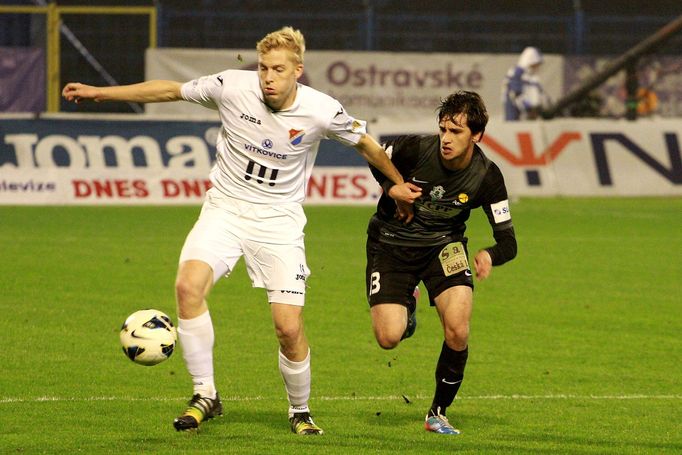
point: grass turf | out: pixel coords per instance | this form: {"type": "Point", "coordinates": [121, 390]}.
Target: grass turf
{"type": "Point", "coordinates": [575, 345]}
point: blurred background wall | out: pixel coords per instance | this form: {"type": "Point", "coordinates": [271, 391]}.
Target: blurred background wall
{"type": "Point", "coordinates": [589, 28]}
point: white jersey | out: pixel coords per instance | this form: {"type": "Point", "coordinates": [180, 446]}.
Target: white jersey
{"type": "Point", "coordinates": [267, 156]}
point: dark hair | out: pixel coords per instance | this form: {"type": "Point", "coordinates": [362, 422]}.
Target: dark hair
{"type": "Point", "coordinates": [467, 103]}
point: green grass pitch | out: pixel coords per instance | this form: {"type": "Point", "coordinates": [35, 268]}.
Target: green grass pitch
{"type": "Point", "coordinates": [576, 345]}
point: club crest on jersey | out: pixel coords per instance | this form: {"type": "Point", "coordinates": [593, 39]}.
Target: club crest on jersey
{"type": "Point", "coordinates": [437, 193]}
{"type": "Point", "coordinates": [296, 136]}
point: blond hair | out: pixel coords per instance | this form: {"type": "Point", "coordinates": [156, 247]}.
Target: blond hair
{"type": "Point", "coordinates": [284, 38]}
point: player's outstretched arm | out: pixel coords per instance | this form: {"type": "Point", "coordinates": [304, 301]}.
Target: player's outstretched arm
{"type": "Point", "coordinates": [145, 92]}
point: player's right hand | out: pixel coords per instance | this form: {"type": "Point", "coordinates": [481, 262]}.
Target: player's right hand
{"type": "Point", "coordinates": [483, 264]}
{"type": "Point", "coordinates": [76, 92]}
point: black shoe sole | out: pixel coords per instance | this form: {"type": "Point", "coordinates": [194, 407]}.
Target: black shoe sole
{"type": "Point", "coordinates": [185, 423]}
{"type": "Point", "coordinates": [181, 424]}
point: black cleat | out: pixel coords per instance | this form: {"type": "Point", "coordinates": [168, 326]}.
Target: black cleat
{"type": "Point", "coordinates": [199, 409]}
{"type": "Point", "coordinates": [411, 315]}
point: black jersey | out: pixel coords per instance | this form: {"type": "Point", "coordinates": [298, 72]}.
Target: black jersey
{"type": "Point", "coordinates": [448, 196]}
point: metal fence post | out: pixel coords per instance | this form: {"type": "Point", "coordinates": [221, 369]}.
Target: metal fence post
{"type": "Point", "coordinates": [53, 57]}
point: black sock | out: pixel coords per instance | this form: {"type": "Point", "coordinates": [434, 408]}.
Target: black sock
{"type": "Point", "coordinates": [449, 376]}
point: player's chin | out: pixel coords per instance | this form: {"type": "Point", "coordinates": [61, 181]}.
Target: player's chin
{"type": "Point", "coordinates": [272, 101]}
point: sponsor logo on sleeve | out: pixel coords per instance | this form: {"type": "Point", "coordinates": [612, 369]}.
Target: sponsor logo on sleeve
{"type": "Point", "coordinates": [501, 211]}
{"type": "Point", "coordinates": [357, 126]}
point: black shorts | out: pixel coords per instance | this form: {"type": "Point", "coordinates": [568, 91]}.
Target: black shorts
{"type": "Point", "coordinates": [394, 271]}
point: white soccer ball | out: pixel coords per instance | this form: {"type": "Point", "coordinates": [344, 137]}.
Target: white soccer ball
{"type": "Point", "coordinates": [148, 337]}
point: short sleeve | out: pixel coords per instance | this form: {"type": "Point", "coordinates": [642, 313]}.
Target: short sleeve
{"type": "Point", "coordinates": [205, 91]}
{"type": "Point", "coordinates": [345, 128]}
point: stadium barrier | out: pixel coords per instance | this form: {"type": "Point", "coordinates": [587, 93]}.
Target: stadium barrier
{"type": "Point", "coordinates": [71, 159]}
{"type": "Point", "coordinates": [55, 29]}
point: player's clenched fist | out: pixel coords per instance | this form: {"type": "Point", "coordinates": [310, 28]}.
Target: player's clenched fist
{"type": "Point", "coordinates": [75, 91]}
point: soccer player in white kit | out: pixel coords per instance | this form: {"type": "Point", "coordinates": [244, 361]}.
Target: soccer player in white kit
{"type": "Point", "coordinates": [271, 130]}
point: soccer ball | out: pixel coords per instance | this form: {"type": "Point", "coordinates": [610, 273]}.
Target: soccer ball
{"type": "Point", "coordinates": [148, 337]}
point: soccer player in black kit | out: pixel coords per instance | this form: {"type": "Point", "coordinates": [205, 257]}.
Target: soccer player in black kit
{"type": "Point", "coordinates": [429, 244]}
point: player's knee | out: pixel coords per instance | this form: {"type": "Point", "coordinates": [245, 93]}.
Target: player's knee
{"type": "Point", "coordinates": [193, 282]}
{"type": "Point", "coordinates": [289, 334]}
{"type": "Point", "coordinates": [388, 344]}
{"type": "Point", "coordinates": [457, 337]}
{"type": "Point", "coordinates": [387, 339]}
{"type": "Point", "coordinates": [389, 323]}
{"type": "Point", "coordinates": [188, 291]}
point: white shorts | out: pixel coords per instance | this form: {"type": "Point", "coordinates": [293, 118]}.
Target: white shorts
{"type": "Point", "coordinates": [270, 237]}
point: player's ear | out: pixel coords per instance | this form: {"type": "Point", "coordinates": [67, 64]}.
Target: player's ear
{"type": "Point", "coordinates": [477, 137]}
{"type": "Point", "coordinates": [299, 70]}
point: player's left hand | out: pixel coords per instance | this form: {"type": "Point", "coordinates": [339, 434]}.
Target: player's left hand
{"type": "Point", "coordinates": [483, 264]}
{"type": "Point", "coordinates": [404, 196]}
{"type": "Point", "coordinates": [404, 211]}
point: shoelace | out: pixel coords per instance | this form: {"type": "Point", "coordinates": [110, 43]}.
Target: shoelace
{"type": "Point", "coordinates": [440, 422]}
{"type": "Point", "coordinates": [304, 417]}
{"type": "Point", "coordinates": [201, 403]}
{"type": "Point", "coordinates": [305, 420]}
{"type": "Point", "coordinates": [445, 420]}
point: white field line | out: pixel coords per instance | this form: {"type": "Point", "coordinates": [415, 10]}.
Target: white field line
{"type": "Point", "coordinates": [8, 400]}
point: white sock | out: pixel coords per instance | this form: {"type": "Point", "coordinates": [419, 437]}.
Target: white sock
{"type": "Point", "coordinates": [296, 377]}
{"type": "Point", "coordinates": [197, 337]}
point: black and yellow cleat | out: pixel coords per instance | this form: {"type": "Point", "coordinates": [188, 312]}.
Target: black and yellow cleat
{"type": "Point", "coordinates": [199, 409]}
{"type": "Point", "coordinates": [302, 423]}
